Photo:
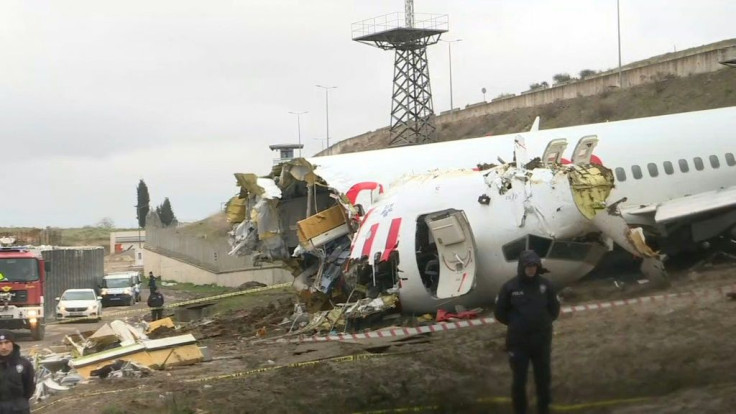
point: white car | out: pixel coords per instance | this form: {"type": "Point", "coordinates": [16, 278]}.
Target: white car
{"type": "Point", "coordinates": [76, 303]}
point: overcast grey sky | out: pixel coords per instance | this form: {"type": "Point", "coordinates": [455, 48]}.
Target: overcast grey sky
{"type": "Point", "coordinates": [97, 94]}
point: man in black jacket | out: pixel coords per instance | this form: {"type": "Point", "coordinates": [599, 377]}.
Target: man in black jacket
{"type": "Point", "coordinates": [151, 282]}
{"type": "Point", "coordinates": [17, 382]}
{"type": "Point", "coordinates": [528, 305]}
{"type": "Point", "coordinates": [155, 302]}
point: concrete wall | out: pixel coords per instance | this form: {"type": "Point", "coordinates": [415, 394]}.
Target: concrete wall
{"type": "Point", "coordinates": [173, 269]}
{"type": "Point", "coordinates": [688, 62]}
{"type": "Point", "coordinates": [128, 239]}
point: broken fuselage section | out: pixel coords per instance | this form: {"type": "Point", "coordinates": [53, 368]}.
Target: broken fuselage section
{"type": "Point", "coordinates": [453, 238]}
{"type": "Point", "coordinates": [437, 240]}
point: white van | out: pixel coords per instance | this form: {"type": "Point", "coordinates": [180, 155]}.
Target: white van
{"type": "Point", "coordinates": [121, 288]}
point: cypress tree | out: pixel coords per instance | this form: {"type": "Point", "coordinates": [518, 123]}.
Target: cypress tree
{"type": "Point", "coordinates": [143, 206]}
{"type": "Point", "coordinates": [166, 213]}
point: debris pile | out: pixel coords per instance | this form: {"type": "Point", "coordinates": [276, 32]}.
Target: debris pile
{"type": "Point", "coordinates": [115, 350]}
{"type": "Point", "coordinates": [334, 292]}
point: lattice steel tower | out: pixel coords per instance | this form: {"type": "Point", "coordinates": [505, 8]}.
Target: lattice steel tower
{"type": "Point", "coordinates": [412, 114]}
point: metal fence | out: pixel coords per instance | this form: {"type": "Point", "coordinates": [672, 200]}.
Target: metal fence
{"type": "Point", "coordinates": [211, 255]}
{"type": "Point", "coordinates": [71, 268]}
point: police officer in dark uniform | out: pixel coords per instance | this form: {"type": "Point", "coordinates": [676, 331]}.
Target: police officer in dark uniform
{"type": "Point", "coordinates": [155, 302]}
{"type": "Point", "coordinates": [528, 305]}
{"type": "Point", "coordinates": [151, 282]}
{"type": "Point", "coordinates": [17, 383]}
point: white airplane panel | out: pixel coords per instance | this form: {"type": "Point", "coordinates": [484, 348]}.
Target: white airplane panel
{"type": "Point", "coordinates": [456, 254]}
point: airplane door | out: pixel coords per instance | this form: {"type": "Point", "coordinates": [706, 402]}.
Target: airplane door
{"type": "Point", "coordinates": [553, 153]}
{"type": "Point", "coordinates": [456, 252]}
{"type": "Point", "coordinates": [584, 150]}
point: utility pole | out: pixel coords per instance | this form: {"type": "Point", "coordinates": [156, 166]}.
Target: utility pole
{"type": "Point", "coordinates": [618, 21]}
{"type": "Point", "coordinates": [299, 128]}
{"type": "Point", "coordinates": [449, 52]}
{"type": "Point", "coordinates": [327, 109]}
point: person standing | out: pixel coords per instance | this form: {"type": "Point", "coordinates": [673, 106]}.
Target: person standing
{"type": "Point", "coordinates": [17, 383]}
{"type": "Point", "coordinates": [151, 282]}
{"type": "Point", "coordinates": [527, 305]}
{"type": "Point", "coordinates": [155, 302]}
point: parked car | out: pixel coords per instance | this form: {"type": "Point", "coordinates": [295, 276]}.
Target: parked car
{"type": "Point", "coordinates": [120, 288]}
{"type": "Point", "coordinates": [77, 303]}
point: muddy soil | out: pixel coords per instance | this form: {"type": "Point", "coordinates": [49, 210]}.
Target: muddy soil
{"type": "Point", "coordinates": [665, 356]}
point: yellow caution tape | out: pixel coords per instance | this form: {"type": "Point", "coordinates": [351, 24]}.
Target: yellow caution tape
{"type": "Point", "coordinates": [507, 400]}
{"type": "Point", "coordinates": [348, 358]}
{"type": "Point", "coordinates": [177, 304]}
{"type": "Point", "coordinates": [597, 404]}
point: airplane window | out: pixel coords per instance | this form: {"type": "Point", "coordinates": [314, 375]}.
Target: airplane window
{"type": "Point", "coordinates": [698, 163]}
{"type": "Point", "coordinates": [730, 160]}
{"type": "Point", "coordinates": [636, 171]}
{"type": "Point", "coordinates": [668, 168]}
{"type": "Point", "coordinates": [620, 174]}
{"type": "Point", "coordinates": [512, 251]}
{"type": "Point", "coordinates": [714, 161]}
{"type": "Point", "coordinates": [569, 250]}
{"type": "Point", "coordinates": [683, 166]}
{"type": "Point", "coordinates": [653, 171]}
{"type": "Point", "coordinates": [539, 244]}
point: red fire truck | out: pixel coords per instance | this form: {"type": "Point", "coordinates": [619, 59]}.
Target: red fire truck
{"type": "Point", "coordinates": [22, 277]}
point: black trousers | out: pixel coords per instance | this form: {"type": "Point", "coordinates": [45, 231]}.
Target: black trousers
{"type": "Point", "coordinates": [540, 355]}
{"type": "Point", "coordinates": [157, 314]}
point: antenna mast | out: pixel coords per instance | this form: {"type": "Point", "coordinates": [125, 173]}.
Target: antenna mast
{"type": "Point", "coordinates": [412, 113]}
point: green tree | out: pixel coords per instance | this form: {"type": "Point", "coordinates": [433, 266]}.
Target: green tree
{"type": "Point", "coordinates": [561, 78]}
{"type": "Point", "coordinates": [539, 85]}
{"type": "Point", "coordinates": [143, 206]}
{"type": "Point", "coordinates": [165, 213]}
{"type": "Point", "coordinates": [586, 72]}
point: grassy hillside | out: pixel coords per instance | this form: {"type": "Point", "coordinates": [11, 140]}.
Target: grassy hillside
{"type": "Point", "coordinates": [668, 96]}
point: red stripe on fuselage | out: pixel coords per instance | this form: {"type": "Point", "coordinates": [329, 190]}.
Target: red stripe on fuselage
{"type": "Point", "coordinates": [369, 242]}
{"type": "Point", "coordinates": [352, 193]}
{"type": "Point", "coordinates": [393, 238]}
{"type": "Point", "coordinates": [360, 230]}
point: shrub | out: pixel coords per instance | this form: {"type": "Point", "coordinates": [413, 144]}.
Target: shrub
{"type": "Point", "coordinates": [540, 85]}
{"type": "Point", "coordinates": [586, 73]}
{"type": "Point", "coordinates": [561, 78]}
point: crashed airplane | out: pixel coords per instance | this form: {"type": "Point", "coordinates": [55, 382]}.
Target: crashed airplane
{"type": "Point", "coordinates": [439, 226]}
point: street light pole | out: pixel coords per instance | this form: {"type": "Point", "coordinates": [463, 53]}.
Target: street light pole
{"type": "Point", "coordinates": [327, 109]}
{"type": "Point", "coordinates": [618, 24]}
{"type": "Point", "coordinates": [449, 52]}
{"type": "Point", "coordinates": [299, 127]}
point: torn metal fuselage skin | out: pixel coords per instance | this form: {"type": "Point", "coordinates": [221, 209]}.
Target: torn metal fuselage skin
{"type": "Point", "coordinates": [453, 238]}
{"type": "Point", "coordinates": [265, 212]}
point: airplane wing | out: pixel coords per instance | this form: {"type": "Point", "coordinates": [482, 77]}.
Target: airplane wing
{"type": "Point", "coordinates": [695, 204]}
{"type": "Point", "coordinates": [716, 208]}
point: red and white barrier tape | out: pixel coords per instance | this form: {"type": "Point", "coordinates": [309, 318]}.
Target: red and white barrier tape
{"type": "Point", "coordinates": [449, 326]}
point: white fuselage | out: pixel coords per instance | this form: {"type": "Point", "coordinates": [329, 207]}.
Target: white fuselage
{"type": "Point", "coordinates": [623, 145]}
{"type": "Point", "coordinates": [655, 160]}
{"type": "Point", "coordinates": [545, 202]}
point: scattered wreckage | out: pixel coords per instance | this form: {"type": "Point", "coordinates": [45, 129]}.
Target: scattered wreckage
{"type": "Point", "coordinates": [116, 349]}
{"type": "Point", "coordinates": [437, 240]}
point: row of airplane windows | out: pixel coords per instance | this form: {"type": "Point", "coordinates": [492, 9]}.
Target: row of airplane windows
{"type": "Point", "coordinates": [669, 168]}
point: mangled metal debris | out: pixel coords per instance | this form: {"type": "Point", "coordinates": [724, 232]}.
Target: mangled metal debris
{"type": "Point", "coordinates": [114, 350]}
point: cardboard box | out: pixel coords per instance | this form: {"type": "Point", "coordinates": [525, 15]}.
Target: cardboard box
{"type": "Point", "coordinates": [321, 222]}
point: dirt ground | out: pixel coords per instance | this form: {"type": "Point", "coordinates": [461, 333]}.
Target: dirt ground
{"type": "Point", "coordinates": [664, 356]}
